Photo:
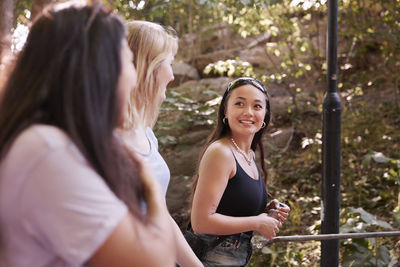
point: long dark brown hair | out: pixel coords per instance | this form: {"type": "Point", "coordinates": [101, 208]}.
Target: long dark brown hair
{"type": "Point", "coordinates": [222, 129]}
{"type": "Point", "coordinates": [67, 76]}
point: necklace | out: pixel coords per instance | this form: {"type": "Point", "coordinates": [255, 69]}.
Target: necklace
{"type": "Point", "coordinates": [238, 149]}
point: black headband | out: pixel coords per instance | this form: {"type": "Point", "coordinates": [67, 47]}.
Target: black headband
{"type": "Point", "coordinates": [246, 80]}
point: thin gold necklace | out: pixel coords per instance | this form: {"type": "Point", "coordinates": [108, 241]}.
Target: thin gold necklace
{"type": "Point", "coordinates": [238, 149]}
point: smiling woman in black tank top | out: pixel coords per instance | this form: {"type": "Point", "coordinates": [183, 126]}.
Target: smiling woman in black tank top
{"type": "Point", "coordinates": [229, 196]}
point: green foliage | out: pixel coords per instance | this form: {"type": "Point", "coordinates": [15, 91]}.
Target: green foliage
{"type": "Point", "coordinates": [180, 113]}
{"type": "Point", "coordinates": [368, 59]}
{"type": "Point", "coordinates": [363, 252]}
{"type": "Point", "coordinates": [22, 11]}
{"type": "Point", "coordinates": [291, 254]}
{"type": "Point", "coordinates": [358, 253]}
{"type": "Point", "coordinates": [365, 171]}
{"type": "Point", "coordinates": [180, 14]}
{"type": "Point", "coordinates": [294, 47]}
{"type": "Point", "coordinates": [230, 68]}
{"type": "Point", "coordinates": [369, 178]}
{"type": "Point", "coordinates": [357, 220]}
{"type": "Point", "coordinates": [371, 43]}
{"type": "Point", "coordinates": [368, 62]}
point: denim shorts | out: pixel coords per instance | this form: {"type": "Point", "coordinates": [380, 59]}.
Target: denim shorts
{"type": "Point", "coordinates": [234, 251]}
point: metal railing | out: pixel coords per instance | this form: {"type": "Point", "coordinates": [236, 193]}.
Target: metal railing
{"type": "Point", "coordinates": [322, 237]}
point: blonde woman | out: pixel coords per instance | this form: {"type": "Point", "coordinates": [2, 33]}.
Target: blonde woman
{"type": "Point", "coordinates": [155, 47]}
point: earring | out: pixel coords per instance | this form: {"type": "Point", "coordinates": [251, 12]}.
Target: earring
{"type": "Point", "coordinates": [225, 120]}
{"type": "Point", "coordinates": [263, 124]}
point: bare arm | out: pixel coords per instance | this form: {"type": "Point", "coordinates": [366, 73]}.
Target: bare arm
{"type": "Point", "coordinates": [216, 167]}
{"type": "Point", "coordinates": [185, 254]}
{"type": "Point", "coordinates": [134, 243]}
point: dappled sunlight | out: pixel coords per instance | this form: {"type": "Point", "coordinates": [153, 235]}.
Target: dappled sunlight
{"type": "Point", "coordinates": [19, 37]}
{"type": "Point", "coordinates": [307, 4]}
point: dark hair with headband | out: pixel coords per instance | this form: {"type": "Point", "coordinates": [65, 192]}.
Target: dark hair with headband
{"type": "Point", "coordinates": [222, 129]}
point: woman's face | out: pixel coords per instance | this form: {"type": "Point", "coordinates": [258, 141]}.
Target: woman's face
{"type": "Point", "coordinates": [245, 110]}
{"type": "Point", "coordinates": [164, 76]}
{"type": "Point", "coordinates": [127, 77]}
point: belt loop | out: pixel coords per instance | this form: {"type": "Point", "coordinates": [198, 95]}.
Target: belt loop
{"type": "Point", "coordinates": [239, 241]}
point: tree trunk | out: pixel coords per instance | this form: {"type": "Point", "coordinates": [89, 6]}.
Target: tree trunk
{"type": "Point", "coordinates": [6, 20]}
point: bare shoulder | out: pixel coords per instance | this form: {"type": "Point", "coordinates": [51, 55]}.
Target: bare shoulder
{"type": "Point", "coordinates": [219, 150]}
{"type": "Point", "coordinates": [218, 156]}
{"type": "Point", "coordinates": [218, 161]}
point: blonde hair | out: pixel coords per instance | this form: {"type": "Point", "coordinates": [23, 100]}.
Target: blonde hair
{"type": "Point", "coordinates": [151, 44]}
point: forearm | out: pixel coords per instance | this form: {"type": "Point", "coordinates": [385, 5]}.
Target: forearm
{"type": "Point", "coordinates": [219, 224]}
{"type": "Point", "coordinates": [185, 254]}
{"type": "Point", "coordinates": [133, 243]}
{"type": "Point", "coordinates": [158, 236]}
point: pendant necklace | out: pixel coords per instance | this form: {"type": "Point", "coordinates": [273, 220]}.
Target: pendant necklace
{"type": "Point", "coordinates": [238, 149]}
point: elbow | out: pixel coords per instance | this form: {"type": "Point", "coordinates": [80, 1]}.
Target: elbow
{"type": "Point", "coordinates": [199, 225]}
{"type": "Point", "coordinates": [197, 228]}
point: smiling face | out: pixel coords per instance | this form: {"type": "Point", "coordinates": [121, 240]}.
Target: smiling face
{"type": "Point", "coordinates": [245, 110]}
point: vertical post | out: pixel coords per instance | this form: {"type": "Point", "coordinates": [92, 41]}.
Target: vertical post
{"type": "Point", "coordinates": [331, 147]}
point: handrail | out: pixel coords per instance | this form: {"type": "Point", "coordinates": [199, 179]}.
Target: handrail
{"type": "Point", "coordinates": [303, 238]}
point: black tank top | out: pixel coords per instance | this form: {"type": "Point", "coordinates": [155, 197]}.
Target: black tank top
{"type": "Point", "coordinates": [243, 196]}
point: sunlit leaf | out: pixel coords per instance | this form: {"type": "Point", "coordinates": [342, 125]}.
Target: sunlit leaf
{"type": "Point", "coordinates": [380, 158]}
{"type": "Point", "coordinates": [369, 218]}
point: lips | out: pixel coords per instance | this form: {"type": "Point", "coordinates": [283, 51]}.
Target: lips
{"type": "Point", "coordinates": [247, 122]}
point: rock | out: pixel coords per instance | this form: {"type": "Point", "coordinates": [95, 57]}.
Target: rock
{"type": "Point", "coordinates": [178, 198]}
{"type": "Point", "coordinates": [182, 161]}
{"type": "Point", "coordinates": [256, 56]}
{"type": "Point", "coordinates": [183, 72]}
{"type": "Point", "coordinates": [196, 137]}
{"type": "Point", "coordinates": [183, 158]}
{"type": "Point", "coordinates": [195, 88]}
{"type": "Point", "coordinates": [280, 138]}
{"type": "Point", "coordinates": [203, 60]}
{"type": "Point", "coordinates": [280, 105]}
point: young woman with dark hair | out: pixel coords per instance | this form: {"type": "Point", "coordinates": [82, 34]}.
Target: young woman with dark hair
{"type": "Point", "coordinates": [229, 197]}
{"type": "Point", "coordinates": [70, 191]}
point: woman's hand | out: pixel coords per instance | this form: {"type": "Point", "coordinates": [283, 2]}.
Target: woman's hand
{"type": "Point", "coordinates": [268, 226]}
{"type": "Point", "coordinates": [278, 210]}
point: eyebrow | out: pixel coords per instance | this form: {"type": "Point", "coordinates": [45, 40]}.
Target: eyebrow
{"type": "Point", "coordinates": [243, 98]}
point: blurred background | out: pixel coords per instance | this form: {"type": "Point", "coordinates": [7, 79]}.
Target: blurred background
{"type": "Point", "coordinates": [282, 43]}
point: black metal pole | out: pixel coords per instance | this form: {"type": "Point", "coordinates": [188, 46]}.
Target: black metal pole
{"type": "Point", "coordinates": [331, 147]}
